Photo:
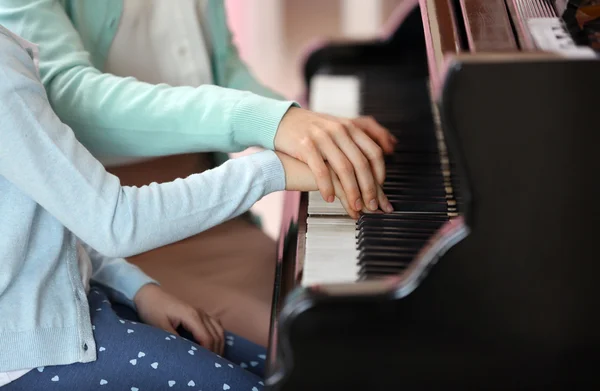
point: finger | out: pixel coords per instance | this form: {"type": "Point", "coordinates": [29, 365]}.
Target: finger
{"type": "Point", "coordinates": [208, 326]}
{"type": "Point", "coordinates": [220, 334]}
{"type": "Point", "coordinates": [342, 167]}
{"type": "Point", "coordinates": [194, 324]}
{"type": "Point", "coordinates": [372, 151]}
{"type": "Point", "coordinates": [216, 347]}
{"type": "Point", "coordinates": [384, 203]}
{"type": "Point", "coordinates": [377, 132]}
{"type": "Point", "coordinates": [313, 158]}
{"type": "Point", "coordinates": [168, 327]}
{"type": "Point", "coordinates": [360, 163]}
{"type": "Point", "coordinates": [339, 191]}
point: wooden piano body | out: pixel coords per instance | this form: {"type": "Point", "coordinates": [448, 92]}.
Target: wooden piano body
{"type": "Point", "coordinates": [504, 296]}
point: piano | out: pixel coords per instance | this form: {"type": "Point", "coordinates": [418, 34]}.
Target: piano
{"type": "Point", "coordinates": [485, 276]}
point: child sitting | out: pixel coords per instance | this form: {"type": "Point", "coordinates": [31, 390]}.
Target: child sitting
{"type": "Point", "coordinates": [74, 314]}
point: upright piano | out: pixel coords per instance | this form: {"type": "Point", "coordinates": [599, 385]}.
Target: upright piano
{"type": "Point", "coordinates": [485, 276]}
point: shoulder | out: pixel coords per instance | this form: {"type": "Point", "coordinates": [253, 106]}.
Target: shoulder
{"type": "Point", "coordinates": [18, 57]}
{"type": "Point", "coordinates": [12, 44]}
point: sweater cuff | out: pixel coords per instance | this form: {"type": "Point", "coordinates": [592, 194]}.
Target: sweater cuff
{"type": "Point", "coordinates": [136, 279]}
{"type": "Point", "coordinates": [256, 120]}
{"type": "Point", "coordinates": [272, 170]}
{"type": "Point", "coordinates": [122, 283]}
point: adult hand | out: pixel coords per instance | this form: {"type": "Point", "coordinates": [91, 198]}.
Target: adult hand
{"type": "Point", "coordinates": [352, 148]}
{"type": "Point", "coordinates": [158, 308]}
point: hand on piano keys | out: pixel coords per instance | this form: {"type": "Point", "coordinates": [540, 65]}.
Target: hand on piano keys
{"type": "Point", "coordinates": [337, 248]}
{"type": "Point", "coordinates": [350, 148]}
{"type": "Point", "coordinates": [299, 177]}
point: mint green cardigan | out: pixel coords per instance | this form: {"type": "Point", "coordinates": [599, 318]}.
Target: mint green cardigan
{"type": "Point", "coordinates": [115, 116]}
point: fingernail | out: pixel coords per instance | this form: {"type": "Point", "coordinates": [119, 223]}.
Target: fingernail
{"type": "Point", "coordinates": [394, 139]}
{"type": "Point", "coordinates": [373, 205]}
{"type": "Point", "coordinates": [387, 207]}
{"type": "Point", "coordinates": [358, 205]}
{"type": "Point", "coordinates": [330, 199]}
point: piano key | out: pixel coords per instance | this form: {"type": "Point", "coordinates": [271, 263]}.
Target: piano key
{"type": "Point", "coordinates": [403, 190]}
{"type": "Point", "coordinates": [378, 271]}
{"type": "Point", "coordinates": [418, 183]}
{"type": "Point", "coordinates": [396, 263]}
{"type": "Point", "coordinates": [416, 206]}
{"type": "Point", "coordinates": [418, 233]}
{"type": "Point", "coordinates": [325, 263]}
{"type": "Point", "coordinates": [318, 206]}
{"type": "Point", "coordinates": [390, 242]}
{"type": "Point", "coordinates": [335, 95]}
{"type": "Point", "coordinates": [403, 220]}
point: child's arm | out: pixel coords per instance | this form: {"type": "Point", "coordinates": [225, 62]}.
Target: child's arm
{"type": "Point", "coordinates": [120, 279]}
{"type": "Point", "coordinates": [42, 157]}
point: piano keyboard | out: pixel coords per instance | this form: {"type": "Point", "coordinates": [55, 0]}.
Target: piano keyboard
{"type": "Point", "coordinates": [418, 184]}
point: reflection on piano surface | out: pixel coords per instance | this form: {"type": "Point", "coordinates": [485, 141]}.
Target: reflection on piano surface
{"type": "Point", "coordinates": [483, 277]}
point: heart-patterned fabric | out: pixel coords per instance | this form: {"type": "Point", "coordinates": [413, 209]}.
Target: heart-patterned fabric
{"type": "Point", "coordinates": [134, 356]}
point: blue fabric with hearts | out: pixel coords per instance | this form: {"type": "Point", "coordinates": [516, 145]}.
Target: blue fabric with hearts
{"type": "Point", "coordinates": [133, 356]}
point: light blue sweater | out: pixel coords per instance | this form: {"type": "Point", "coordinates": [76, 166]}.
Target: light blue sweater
{"type": "Point", "coordinates": [54, 193]}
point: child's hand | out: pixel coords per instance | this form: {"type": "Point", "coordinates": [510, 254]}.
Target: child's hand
{"type": "Point", "coordinates": [158, 308]}
{"type": "Point", "coordinates": [299, 177]}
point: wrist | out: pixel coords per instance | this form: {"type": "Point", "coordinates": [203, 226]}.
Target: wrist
{"type": "Point", "coordinates": [281, 142]}
{"type": "Point", "coordinates": [298, 176]}
{"type": "Point", "coordinates": [145, 290]}
{"type": "Point", "coordinates": [256, 120]}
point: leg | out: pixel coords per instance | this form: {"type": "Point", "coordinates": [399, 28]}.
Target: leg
{"type": "Point", "coordinates": [134, 356]}
{"type": "Point", "coordinates": [238, 350]}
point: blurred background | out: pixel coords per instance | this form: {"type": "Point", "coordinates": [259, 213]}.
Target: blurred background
{"type": "Point", "coordinates": [273, 36]}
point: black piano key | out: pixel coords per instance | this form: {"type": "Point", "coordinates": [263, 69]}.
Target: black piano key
{"type": "Point", "coordinates": [417, 172]}
{"type": "Point", "coordinates": [388, 224]}
{"type": "Point", "coordinates": [419, 192]}
{"type": "Point", "coordinates": [427, 201]}
{"type": "Point", "coordinates": [380, 256]}
{"type": "Point", "coordinates": [419, 206]}
{"type": "Point", "coordinates": [415, 234]}
{"type": "Point", "coordinates": [366, 243]}
{"type": "Point", "coordinates": [398, 236]}
{"type": "Point", "coordinates": [399, 190]}
{"type": "Point", "coordinates": [428, 176]}
{"type": "Point", "coordinates": [414, 181]}
{"type": "Point", "coordinates": [387, 252]}
{"type": "Point", "coordinates": [402, 220]}
{"type": "Point", "coordinates": [382, 263]}
{"type": "Point", "coordinates": [372, 271]}
{"type": "Point", "coordinates": [410, 158]}
{"type": "Point", "coordinates": [391, 257]}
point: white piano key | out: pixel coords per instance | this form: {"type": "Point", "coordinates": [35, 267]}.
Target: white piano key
{"type": "Point", "coordinates": [330, 252]}
{"type": "Point", "coordinates": [335, 95]}
{"type": "Point", "coordinates": [551, 34]}
{"type": "Point", "coordinates": [318, 206]}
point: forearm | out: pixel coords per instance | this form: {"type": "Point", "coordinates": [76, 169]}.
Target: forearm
{"type": "Point", "coordinates": [122, 116]}
{"type": "Point", "coordinates": [166, 213]}
{"type": "Point", "coordinates": [41, 156]}
{"type": "Point", "coordinates": [125, 117]}
{"type": "Point", "coordinates": [298, 175]}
